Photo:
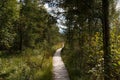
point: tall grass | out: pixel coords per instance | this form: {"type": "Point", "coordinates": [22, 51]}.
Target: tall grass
{"type": "Point", "coordinates": [29, 65]}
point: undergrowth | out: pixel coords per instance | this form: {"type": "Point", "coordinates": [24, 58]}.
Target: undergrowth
{"type": "Point", "coordinates": [29, 65]}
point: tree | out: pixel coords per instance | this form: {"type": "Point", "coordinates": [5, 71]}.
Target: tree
{"type": "Point", "coordinates": [8, 15]}
{"type": "Point", "coordinates": [106, 40]}
{"type": "Point", "coordinates": [34, 25]}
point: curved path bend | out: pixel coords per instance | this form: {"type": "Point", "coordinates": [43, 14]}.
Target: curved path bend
{"type": "Point", "coordinates": [59, 69]}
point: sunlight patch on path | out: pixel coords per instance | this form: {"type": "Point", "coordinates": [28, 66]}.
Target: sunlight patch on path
{"type": "Point", "coordinates": [59, 69]}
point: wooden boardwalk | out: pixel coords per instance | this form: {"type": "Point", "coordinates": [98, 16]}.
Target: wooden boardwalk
{"type": "Point", "coordinates": [59, 69]}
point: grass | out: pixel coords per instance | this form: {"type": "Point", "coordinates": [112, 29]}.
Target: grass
{"type": "Point", "coordinates": [72, 63]}
{"type": "Point", "coordinates": [29, 65]}
{"type": "Point", "coordinates": [88, 67]}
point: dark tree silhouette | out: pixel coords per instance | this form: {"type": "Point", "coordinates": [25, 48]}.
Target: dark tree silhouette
{"type": "Point", "coordinates": [106, 40]}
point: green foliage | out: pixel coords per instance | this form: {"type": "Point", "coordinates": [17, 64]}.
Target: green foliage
{"type": "Point", "coordinates": [84, 52]}
{"type": "Point", "coordinates": [88, 65]}
{"type": "Point", "coordinates": [8, 15]}
{"type": "Point", "coordinates": [27, 35]}
{"type": "Point", "coordinates": [26, 66]}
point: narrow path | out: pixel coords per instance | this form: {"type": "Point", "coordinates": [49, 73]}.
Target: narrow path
{"type": "Point", "coordinates": [59, 69]}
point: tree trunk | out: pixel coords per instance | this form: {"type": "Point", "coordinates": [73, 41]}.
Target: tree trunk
{"type": "Point", "coordinates": [106, 40]}
{"type": "Point", "coordinates": [20, 32]}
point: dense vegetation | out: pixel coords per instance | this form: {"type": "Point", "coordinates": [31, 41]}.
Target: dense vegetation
{"type": "Point", "coordinates": [27, 41]}
{"type": "Point", "coordinates": [29, 36]}
{"type": "Point", "coordinates": [92, 39]}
